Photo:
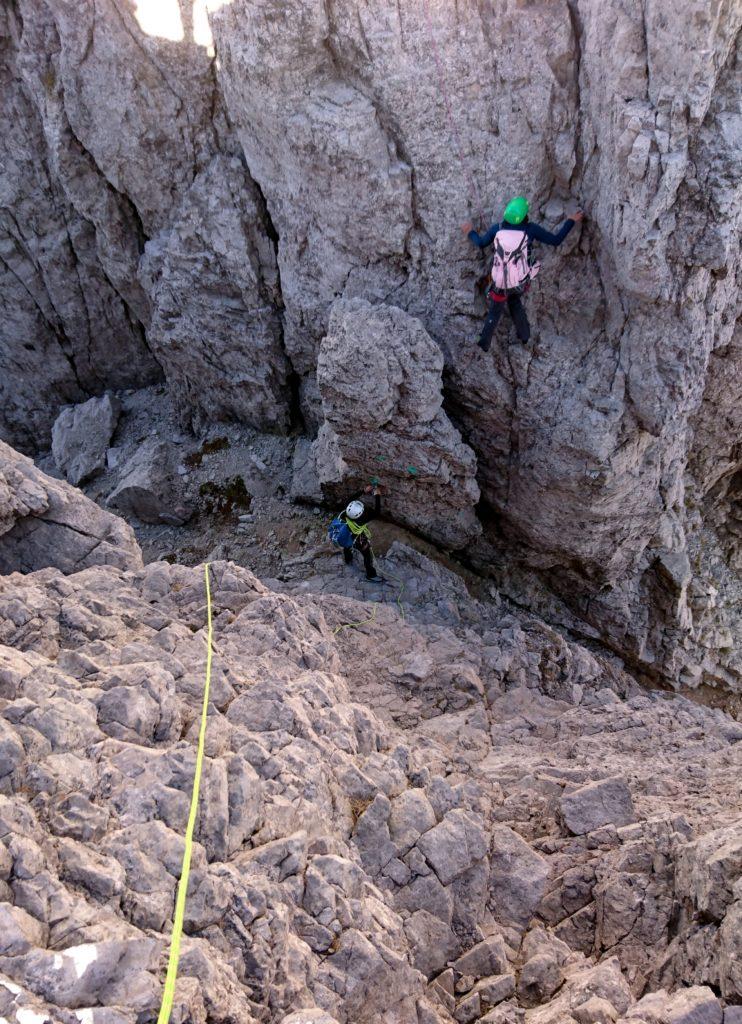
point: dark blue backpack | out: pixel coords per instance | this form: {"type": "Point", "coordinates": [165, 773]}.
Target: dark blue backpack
{"type": "Point", "coordinates": [339, 533]}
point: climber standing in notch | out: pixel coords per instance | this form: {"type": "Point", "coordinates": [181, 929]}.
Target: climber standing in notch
{"type": "Point", "coordinates": [513, 268]}
{"type": "Point", "coordinates": [349, 530]}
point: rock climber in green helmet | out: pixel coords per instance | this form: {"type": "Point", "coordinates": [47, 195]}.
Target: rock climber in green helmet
{"type": "Point", "coordinates": [512, 266]}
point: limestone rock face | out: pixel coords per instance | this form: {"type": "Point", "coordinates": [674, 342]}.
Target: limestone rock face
{"type": "Point", "coordinates": [45, 522]}
{"type": "Point", "coordinates": [188, 188]}
{"type": "Point", "coordinates": [379, 376]}
{"type": "Point", "coordinates": [134, 241]}
{"type": "Point", "coordinates": [583, 437]}
{"type": "Point", "coordinates": [216, 328]}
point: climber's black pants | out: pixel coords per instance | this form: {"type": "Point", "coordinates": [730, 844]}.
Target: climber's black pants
{"type": "Point", "coordinates": [517, 314]}
{"type": "Point", "coordinates": [364, 547]}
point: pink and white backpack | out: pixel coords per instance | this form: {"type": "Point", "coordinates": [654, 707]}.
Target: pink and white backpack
{"type": "Point", "coordinates": [511, 270]}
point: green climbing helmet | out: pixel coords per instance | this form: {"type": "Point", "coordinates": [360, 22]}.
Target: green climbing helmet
{"type": "Point", "coordinates": [517, 210]}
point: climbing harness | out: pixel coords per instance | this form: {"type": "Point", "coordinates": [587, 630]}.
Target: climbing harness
{"type": "Point", "coordinates": [474, 194]}
{"type": "Point", "coordinates": [174, 958]}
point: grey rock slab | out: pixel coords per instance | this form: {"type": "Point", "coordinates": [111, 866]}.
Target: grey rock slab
{"type": "Point", "coordinates": [539, 978]}
{"type": "Point", "coordinates": [496, 989]}
{"type": "Point", "coordinates": [19, 932]}
{"type": "Point", "coordinates": [309, 1017]}
{"type": "Point", "coordinates": [730, 952]}
{"type": "Point", "coordinates": [595, 1011]}
{"type": "Point", "coordinates": [606, 802]}
{"type": "Point", "coordinates": [305, 482]}
{"type": "Point", "coordinates": [216, 321]}
{"type": "Point", "coordinates": [100, 875]}
{"type": "Point", "coordinates": [454, 845]}
{"type": "Point", "coordinates": [411, 816]}
{"type": "Point", "coordinates": [45, 522]}
{"type": "Point", "coordinates": [431, 940]}
{"type": "Point", "coordinates": [81, 436]}
{"type": "Point", "coordinates": [695, 1005]}
{"type": "Point", "coordinates": [468, 1009]}
{"type": "Point", "coordinates": [507, 1013]}
{"type": "Point", "coordinates": [518, 877]}
{"type": "Point", "coordinates": [708, 869]}
{"type": "Point", "coordinates": [486, 958]}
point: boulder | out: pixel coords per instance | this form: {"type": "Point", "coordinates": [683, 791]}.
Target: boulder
{"type": "Point", "coordinates": [708, 869]}
{"type": "Point", "coordinates": [146, 487]}
{"type": "Point", "coordinates": [595, 1011]}
{"type": "Point", "coordinates": [81, 436]}
{"type": "Point", "coordinates": [46, 522]}
{"type": "Point", "coordinates": [606, 802]}
{"type": "Point", "coordinates": [495, 990]}
{"type": "Point", "coordinates": [696, 1005]}
{"type": "Point", "coordinates": [539, 979]}
{"type": "Point", "coordinates": [384, 418]}
{"type": "Point", "coordinates": [19, 932]}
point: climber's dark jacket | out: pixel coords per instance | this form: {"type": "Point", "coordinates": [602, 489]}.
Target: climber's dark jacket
{"type": "Point", "coordinates": [534, 232]}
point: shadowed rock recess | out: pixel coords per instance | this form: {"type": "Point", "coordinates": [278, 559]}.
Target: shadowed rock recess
{"type": "Point", "coordinates": [223, 220]}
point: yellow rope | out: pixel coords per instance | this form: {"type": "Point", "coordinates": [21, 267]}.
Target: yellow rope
{"type": "Point", "coordinates": [355, 625]}
{"type": "Point", "coordinates": [172, 967]}
{"type": "Point", "coordinates": [372, 617]}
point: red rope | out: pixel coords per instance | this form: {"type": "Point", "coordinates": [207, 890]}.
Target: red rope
{"type": "Point", "coordinates": [474, 194]}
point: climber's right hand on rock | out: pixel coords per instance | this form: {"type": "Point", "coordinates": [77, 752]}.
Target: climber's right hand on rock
{"type": "Point", "coordinates": [578, 216]}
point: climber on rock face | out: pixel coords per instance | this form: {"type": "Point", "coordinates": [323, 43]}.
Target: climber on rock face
{"type": "Point", "coordinates": [349, 530]}
{"type": "Point", "coordinates": [512, 268]}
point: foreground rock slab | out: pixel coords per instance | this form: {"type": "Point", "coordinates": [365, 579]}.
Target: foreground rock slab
{"type": "Point", "coordinates": [45, 522]}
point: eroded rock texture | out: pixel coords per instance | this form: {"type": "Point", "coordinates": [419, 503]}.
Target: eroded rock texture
{"type": "Point", "coordinates": [166, 210]}
{"type": "Point", "coordinates": [381, 835]}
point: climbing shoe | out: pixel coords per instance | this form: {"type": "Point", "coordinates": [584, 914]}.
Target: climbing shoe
{"type": "Point", "coordinates": [375, 579]}
{"type": "Point", "coordinates": [484, 345]}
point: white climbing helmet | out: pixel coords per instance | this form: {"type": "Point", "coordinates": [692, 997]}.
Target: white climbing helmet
{"type": "Point", "coordinates": [355, 510]}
